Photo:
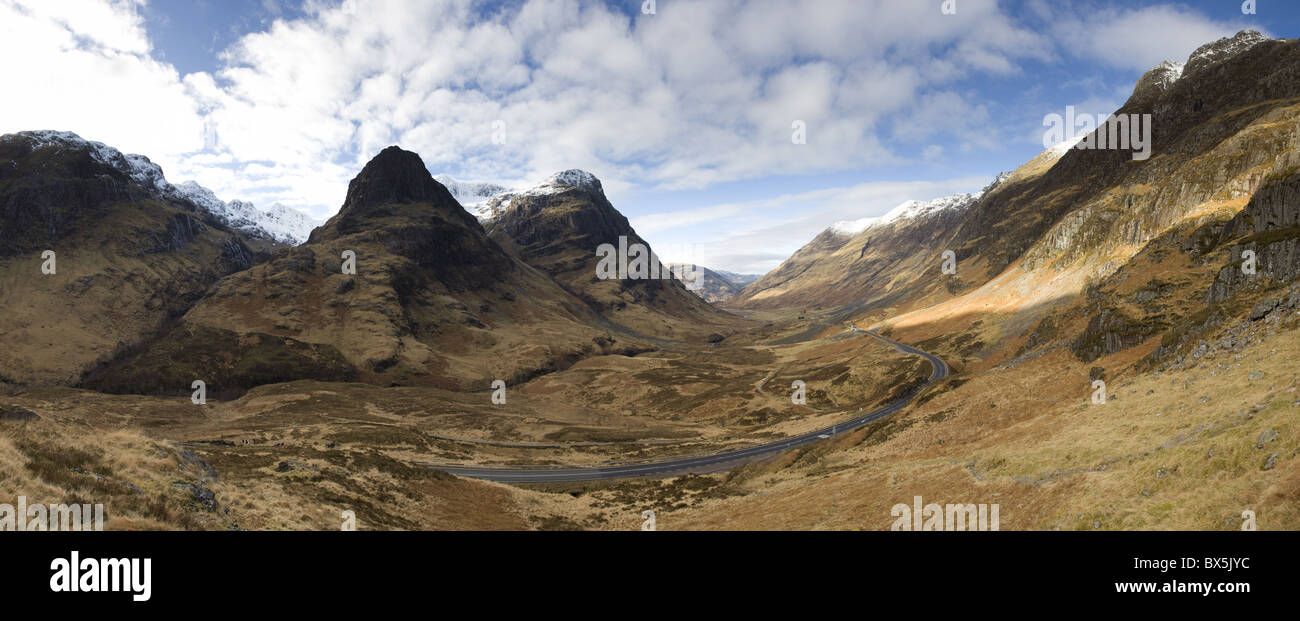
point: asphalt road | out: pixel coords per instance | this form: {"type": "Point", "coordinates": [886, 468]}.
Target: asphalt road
{"type": "Point", "coordinates": [702, 463]}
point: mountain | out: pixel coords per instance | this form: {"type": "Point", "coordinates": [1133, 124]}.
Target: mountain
{"type": "Point", "coordinates": [433, 301]}
{"type": "Point", "coordinates": [559, 226]}
{"type": "Point", "coordinates": [1073, 216]}
{"type": "Point", "coordinates": [860, 261]}
{"type": "Point", "coordinates": [472, 195]}
{"type": "Point", "coordinates": [739, 280]}
{"type": "Point", "coordinates": [283, 224]}
{"type": "Point", "coordinates": [287, 224]}
{"type": "Point", "coordinates": [1173, 280]}
{"type": "Point", "coordinates": [130, 252]}
{"type": "Point", "coordinates": [1084, 266]}
{"type": "Point", "coordinates": [1103, 253]}
{"type": "Point", "coordinates": [710, 285]}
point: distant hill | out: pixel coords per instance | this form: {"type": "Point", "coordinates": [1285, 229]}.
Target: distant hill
{"type": "Point", "coordinates": [713, 286]}
{"type": "Point", "coordinates": [740, 280]}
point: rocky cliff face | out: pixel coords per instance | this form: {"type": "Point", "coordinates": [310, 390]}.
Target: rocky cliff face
{"type": "Point", "coordinates": [1269, 226]}
{"type": "Point", "coordinates": [1219, 129]}
{"type": "Point", "coordinates": [1162, 239]}
{"type": "Point", "coordinates": [51, 182]}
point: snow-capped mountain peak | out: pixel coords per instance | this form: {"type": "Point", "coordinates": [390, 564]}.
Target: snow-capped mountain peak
{"type": "Point", "coordinates": [1214, 53]}
{"type": "Point", "coordinates": [474, 196]}
{"type": "Point", "coordinates": [573, 178]}
{"type": "Point", "coordinates": [908, 210]}
{"type": "Point", "coordinates": [469, 193]}
{"type": "Point", "coordinates": [137, 167]}
{"type": "Point", "coordinates": [917, 209]}
{"type": "Point", "coordinates": [287, 222]}
{"type": "Point", "coordinates": [1158, 79]}
{"type": "Point", "coordinates": [284, 225]}
{"type": "Point", "coordinates": [202, 197]}
{"type": "Point", "coordinates": [488, 200]}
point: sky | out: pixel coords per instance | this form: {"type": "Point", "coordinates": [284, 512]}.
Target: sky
{"type": "Point", "coordinates": [690, 115]}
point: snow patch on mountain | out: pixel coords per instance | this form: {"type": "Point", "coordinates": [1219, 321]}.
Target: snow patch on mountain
{"type": "Point", "coordinates": [1158, 79]}
{"type": "Point", "coordinates": [908, 210]}
{"type": "Point", "coordinates": [137, 167]}
{"type": "Point", "coordinates": [1214, 53]}
{"type": "Point", "coordinates": [572, 178]}
{"type": "Point", "coordinates": [921, 209]}
{"type": "Point", "coordinates": [471, 194]}
{"type": "Point", "coordinates": [1059, 149]}
{"type": "Point", "coordinates": [562, 181]}
{"type": "Point", "coordinates": [1163, 76]}
{"type": "Point", "coordinates": [998, 180]}
{"type": "Point", "coordinates": [849, 228]}
{"type": "Point", "coordinates": [284, 222]}
{"type": "Point", "coordinates": [281, 223]}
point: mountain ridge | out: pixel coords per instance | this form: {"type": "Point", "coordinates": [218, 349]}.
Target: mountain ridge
{"type": "Point", "coordinates": [434, 301]}
{"type": "Point", "coordinates": [284, 226]}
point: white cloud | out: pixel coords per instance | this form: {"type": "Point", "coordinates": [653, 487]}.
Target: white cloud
{"type": "Point", "coordinates": [779, 225]}
{"type": "Point", "coordinates": [83, 66]}
{"type": "Point", "coordinates": [1136, 39]}
{"type": "Point", "coordinates": [701, 92]}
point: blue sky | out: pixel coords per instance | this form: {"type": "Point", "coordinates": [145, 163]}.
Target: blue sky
{"type": "Point", "coordinates": [685, 114]}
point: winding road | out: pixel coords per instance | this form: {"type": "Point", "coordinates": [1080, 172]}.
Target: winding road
{"type": "Point", "coordinates": [703, 463]}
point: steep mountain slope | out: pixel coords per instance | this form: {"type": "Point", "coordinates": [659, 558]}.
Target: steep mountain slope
{"type": "Point", "coordinates": [1103, 252]}
{"type": "Point", "coordinates": [433, 301]}
{"type": "Point", "coordinates": [1071, 217]}
{"type": "Point", "coordinates": [558, 226]}
{"type": "Point", "coordinates": [859, 262]}
{"type": "Point", "coordinates": [129, 252]}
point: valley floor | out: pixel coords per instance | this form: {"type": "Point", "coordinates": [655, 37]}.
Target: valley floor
{"type": "Point", "coordinates": [1180, 449]}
